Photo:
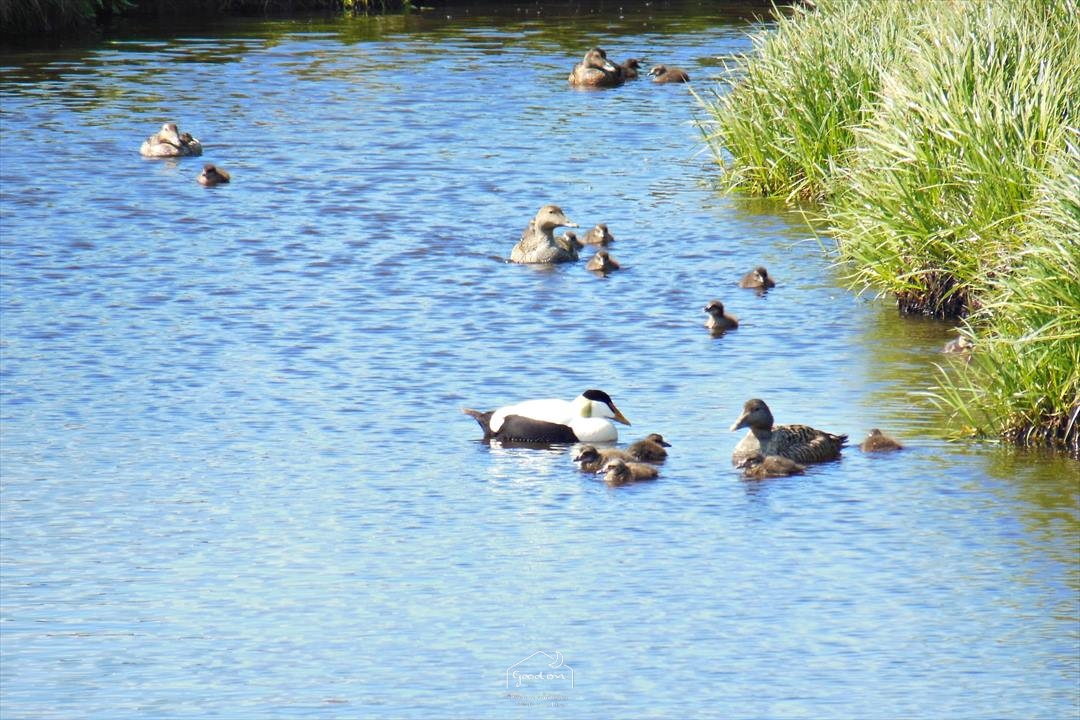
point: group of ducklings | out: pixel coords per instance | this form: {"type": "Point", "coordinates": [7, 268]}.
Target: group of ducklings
{"type": "Point", "coordinates": [169, 142]}
{"type": "Point", "coordinates": [595, 70]}
{"type": "Point", "coordinates": [622, 467]}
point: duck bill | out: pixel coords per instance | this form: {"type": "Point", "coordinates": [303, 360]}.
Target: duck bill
{"type": "Point", "coordinates": [740, 423]}
{"type": "Point", "coordinates": [619, 417]}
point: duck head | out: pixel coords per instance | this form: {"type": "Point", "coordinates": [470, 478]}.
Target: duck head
{"type": "Point", "coordinates": [597, 58]}
{"type": "Point", "coordinates": [550, 217]}
{"type": "Point", "coordinates": [598, 404]}
{"type": "Point", "coordinates": [755, 415]}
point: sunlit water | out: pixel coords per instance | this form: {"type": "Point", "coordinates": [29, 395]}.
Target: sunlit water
{"type": "Point", "coordinates": [236, 477]}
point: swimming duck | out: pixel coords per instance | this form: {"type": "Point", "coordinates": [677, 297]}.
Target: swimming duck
{"type": "Point", "coordinates": [800, 443]}
{"type": "Point", "coordinates": [168, 142]}
{"type": "Point", "coordinates": [620, 472]}
{"type": "Point", "coordinates": [664, 74]}
{"type": "Point", "coordinates": [569, 241]}
{"type": "Point", "coordinates": [595, 70]}
{"type": "Point", "coordinates": [602, 262]}
{"type": "Point", "coordinates": [212, 175]}
{"type": "Point", "coordinates": [758, 279]}
{"type": "Point", "coordinates": [959, 344]}
{"type": "Point", "coordinates": [719, 321]}
{"type": "Point", "coordinates": [592, 459]}
{"type": "Point", "coordinates": [650, 449]}
{"type": "Point", "coordinates": [877, 441]}
{"type": "Point", "coordinates": [598, 235]}
{"type": "Point", "coordinates": [759, 467]}
{"type": "Point", "coordinates": [628, 68]}
{"type": "Point", "coordinates": [538, 243]}
{"type": "Point", "coordinates": [586, 418]}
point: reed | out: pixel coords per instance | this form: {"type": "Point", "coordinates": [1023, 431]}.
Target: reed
{"type": "Point", "coordinates": [941, 140]}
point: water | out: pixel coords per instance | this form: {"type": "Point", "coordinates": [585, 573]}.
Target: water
{"type": "Point", "coordinates": [236, 479]}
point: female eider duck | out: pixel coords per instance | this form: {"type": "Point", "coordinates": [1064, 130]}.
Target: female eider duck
{"type": "Point", "coordinates": [595, 70]}
{"type": "Point", "coordinates": [719, 321]}
{"type": "Point", "coordinates": [759, 467]}
{"type": "Point", "coordinates": [620, 472]}
{"type": "Point", "coordinates": [757, 279]}
{"type": "Point", "coordinates": [168, 142]}
{"type": "Point", "coordinates": [664, 74]}
{"type": "Point", "coordinates": [598, 235]}
{"type": "Point", "coordinates": [800, 443]}
{"type": "Point", "coordinates": [213, 175]}
{"type": "Point", "coordinates": [877, 441]}
{"type": "Point", "coordinates": [650, 449]}
{"type": "Point", "coordinates": [586, 418]}
{"type": "Point", "coordinates": [592, 458]}
{"type": "Point", "coordinates": [538, 243]}
{"type": "Point", "coordinates": [603, 263]}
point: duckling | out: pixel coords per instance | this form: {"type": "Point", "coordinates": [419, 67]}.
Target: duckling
{"type": "Point", "coordinates": [586, 418]}
{"type": "Point", "coordinates": [800, 443]}
{"type": "Point", "coordinates": [876, 441]}
{"type": "Point", "coordinates": [592, 459]}
{"type": "Point", "coordinates": [595, 70]}
{"type": "Point", "coordinates": [628, 68]}
{"type": "Point", "coordinates": [719, 321]}
{"type": "Point", "coordinates": [569, 241]}
{"type": "Point", "coordinates": [759, 467]}
{"type": "Point", "coordinates": [213, 175]}
{"type": "Point", "coordinates": [602, 262]}
{"type": "Point", "coordinates": [168, 142]}
{"type": "Point", "coordinates": [757, 279]}
{"type": "Point", "coordinates": [620, 472]}
{"type": "Point", "coordinates": [650, 449]}
{"type": "Point", "coordinates": [598, 235]}
{"type": "Point", "coordinates": [959, 344]}
{"type": "Point", "coordinates": [538, 244]}
{"type": "Point", "coordinates": [664, 74]}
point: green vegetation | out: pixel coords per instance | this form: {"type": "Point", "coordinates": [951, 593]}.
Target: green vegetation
{"type": "Point", "coordinates": [942, 141]}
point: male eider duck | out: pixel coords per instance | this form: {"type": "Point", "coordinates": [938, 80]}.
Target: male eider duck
{"type": "Point", "coordinates": [212, 175]}
{"type": "Point", "coordinates": [602, 262]}
{"type": "Point", "coordinates": [650, 449]}
{"type": "Point", "coordinates": [620, 472]}
{"type": "Point", "coordinates": [538, 243]}
{"type": "Point", "coordinates": [586, 418]}
{"type": "Point", "coordinates": [664, 74]}
{"type": "Point", "coordinates": [757, 279]}
{"type": "Point", "coordinates": [800, 443]}
{"type": "Point", "coordinates": [591, 458]}
{"type": "Point", "coordinates": [719, 321]}
{"type": "Point", "coordinates": [877, 441]}
{"type": "Point", "coordinates": [595, 70]}
{"type": "Point", "coordinates": [168, 142]}
{"type": "Point", "coordinates": [598, 235]}
{"type": "Point", "coordinates": [759, 467]}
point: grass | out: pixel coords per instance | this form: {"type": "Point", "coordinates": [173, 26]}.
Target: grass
{"type": "Point", "coordinates": [941, 141]}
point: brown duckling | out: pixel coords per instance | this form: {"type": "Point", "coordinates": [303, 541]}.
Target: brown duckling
{"type": "Point", "coordinates": [650, 449]}
{"type": "Point", "coordinates": [719, 321]}
{"type": "Point", "coordinates": [759, 467]}
{"type": "Point", "coordinates": [629, 68]}
{"type": "Point", "coordinates": [595, 70]}
{"type": "Point", "coordinates": [569, 241]}
{"type": "Point", "coordinates": [592, 458]}
{"type": "Point", "coordinates": [538, 244]}
{"type": "Point", "coordinates": [168, 142]}
{"type": "Point", "coordinates": [800, 443]}
{"type": "Point", "coordinates": [602, 262]}
{"type": "Point", "coordinates": [621, 472]}
{"type": "Point", "coordinates": [213, 175]}
{"type": "Point", "coordinates": [757, 279]}
{"type": "Point", "coordinates": [959, 344]}
{"type": "Point", "coordinates": [664, 74]}
{"type": "Point", "coordinates": [877, 441]}
{"type": "Point", "coordinates": [598, 235]}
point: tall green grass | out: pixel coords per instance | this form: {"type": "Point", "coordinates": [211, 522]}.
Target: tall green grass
{"type": "Point", "coordinates": [940, 138]}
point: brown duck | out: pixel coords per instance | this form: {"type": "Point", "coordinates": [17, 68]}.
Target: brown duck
{"type": "Point", "coordinates": [621, 472]}
{"type": "Point", "coordinates": [664, 74]}
{"type": "Point", "coordinates": [649, 449]}
{"type": "Point", "coordinates": [592, 459]}
{"type": "Point", "coordinates": [800, 443]}
{"type": "Point", "coordinates": [759, 467]}
{"type": "Point", "coordinates": [538, 243]}
{"type": "Point", "coordinates": [719, 321]}
{"type": "Point", "coordinates": [877, 441]}
{"type": "Point", "coordinates": [757, 279]}
{"type": "Point", "coordinates": [595, 70]}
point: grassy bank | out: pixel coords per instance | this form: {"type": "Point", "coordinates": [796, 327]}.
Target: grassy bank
{"type": "Point", "coordinates": [941, 140]}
